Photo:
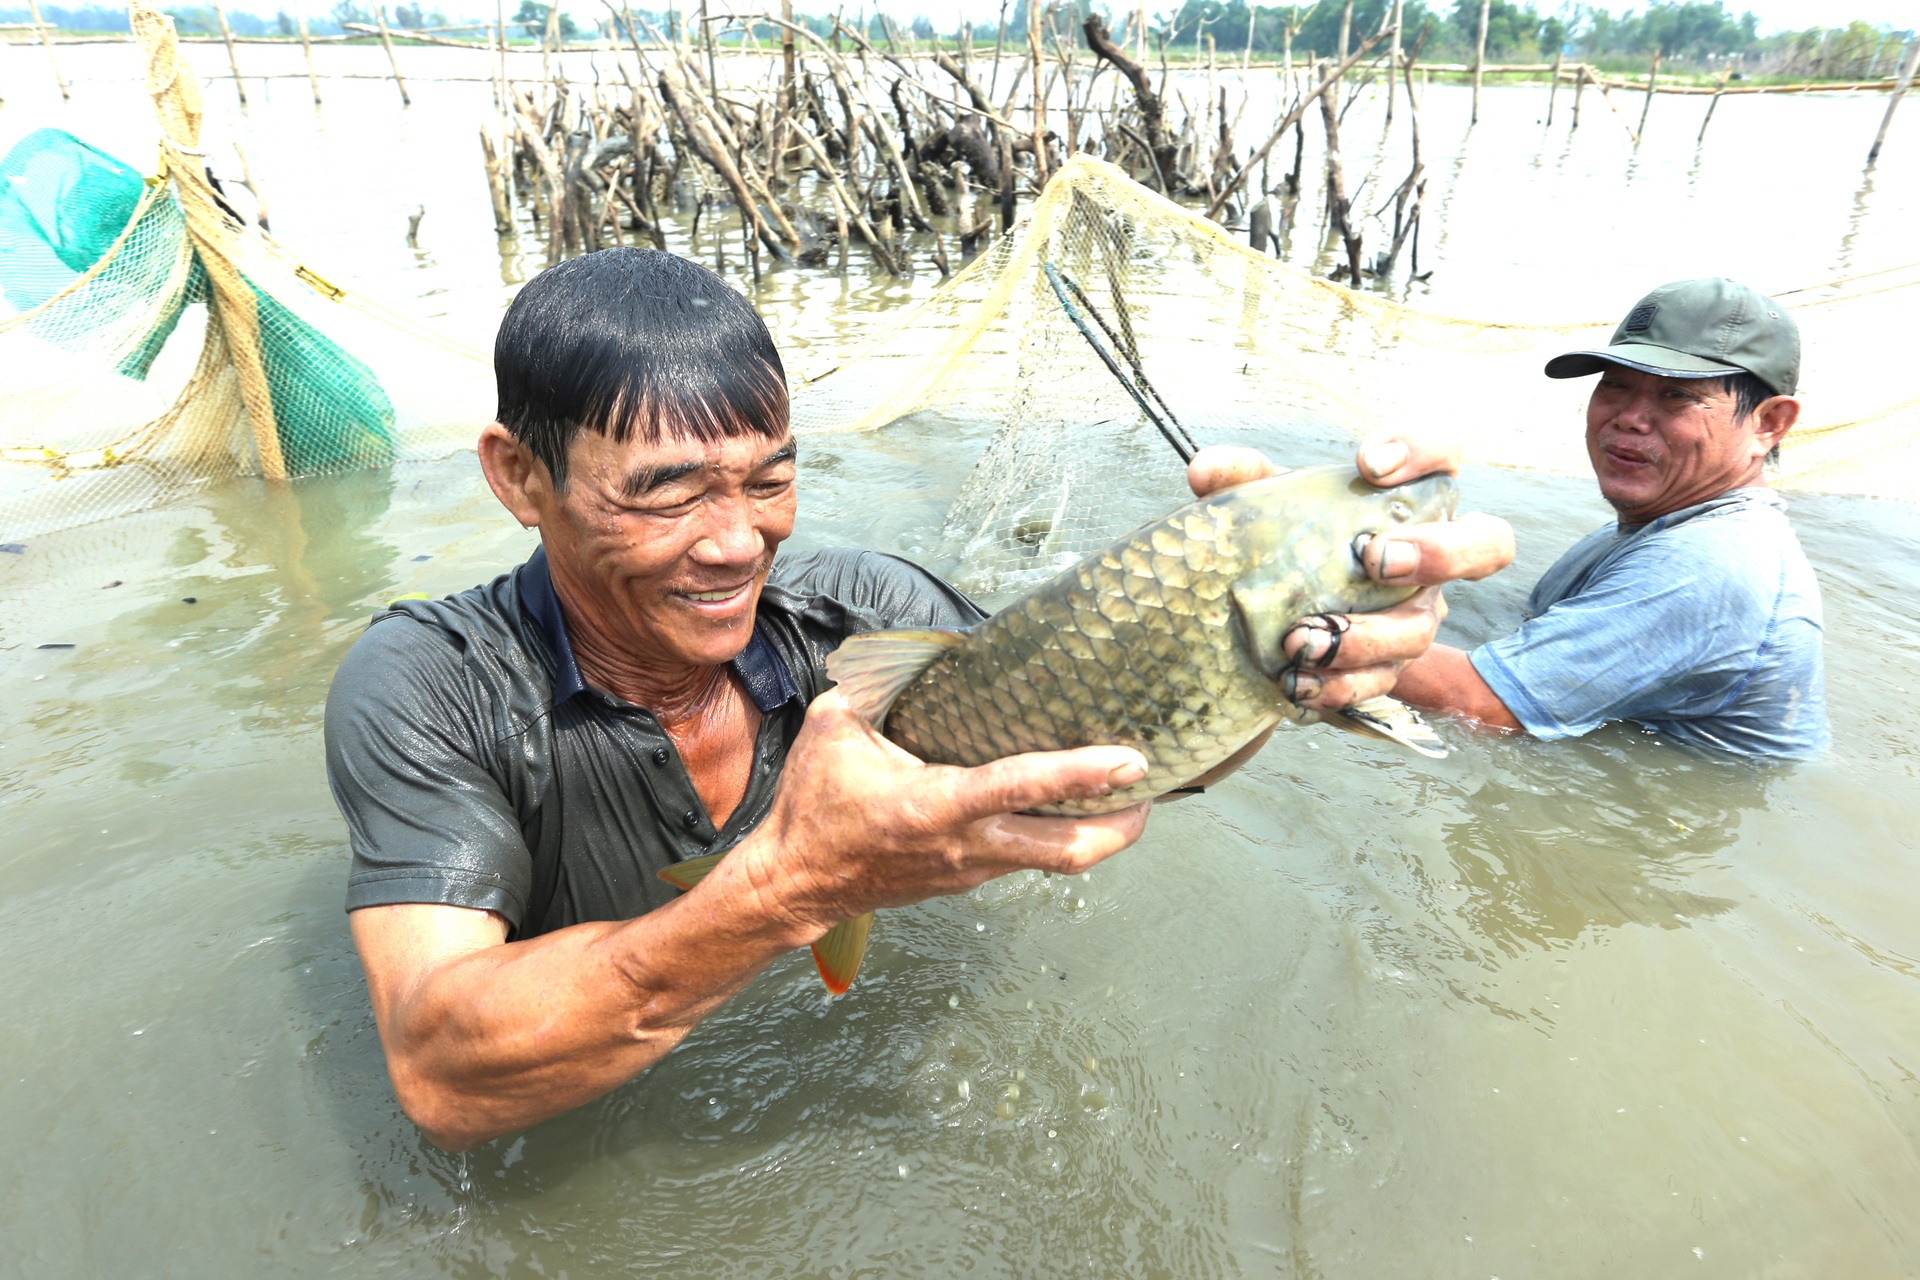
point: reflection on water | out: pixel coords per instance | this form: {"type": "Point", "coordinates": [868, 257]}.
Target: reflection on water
{"type": "Point", "coordinates": [1557, 844]}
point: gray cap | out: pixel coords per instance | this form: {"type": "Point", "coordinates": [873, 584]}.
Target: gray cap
{"type": "Point", "coordinates": [1699, 329]}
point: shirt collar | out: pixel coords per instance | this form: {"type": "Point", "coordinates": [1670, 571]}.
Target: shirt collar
{"type": "Point", "coordinates": [759, 666]}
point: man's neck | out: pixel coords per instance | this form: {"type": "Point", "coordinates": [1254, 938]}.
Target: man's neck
{"type": "Point", "coordinates": [1630, 520]}
{"type": "Point", "coordinates": [676, 693]}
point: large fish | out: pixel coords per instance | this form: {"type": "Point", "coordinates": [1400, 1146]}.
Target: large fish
{"type": "Point", "coordinates": [1168, 641]}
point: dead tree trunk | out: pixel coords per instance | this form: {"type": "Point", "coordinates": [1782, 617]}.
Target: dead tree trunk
{"type": "Point", "coordinates": [1337, 202]}
{"type": "Point", "coordinates": [1162, 150]}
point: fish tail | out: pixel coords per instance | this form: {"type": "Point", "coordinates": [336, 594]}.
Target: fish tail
{"type": "Point", "coordinates": [839, 951]}
{"type": "Point", "coordinates": [685, 875]}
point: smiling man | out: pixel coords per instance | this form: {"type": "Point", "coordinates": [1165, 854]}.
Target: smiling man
{"type": "Point", "coordinates": [1695, 613]}
{"type": "Point", "coordinates": [517, 763]}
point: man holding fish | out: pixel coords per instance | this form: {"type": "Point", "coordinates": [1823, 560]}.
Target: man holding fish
{"type": "Point", "coordinates": [1695, 614]}
{"type": "Point", "coordinates": [520, 763]}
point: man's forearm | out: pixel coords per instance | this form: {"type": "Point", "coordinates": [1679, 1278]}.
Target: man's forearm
{"type": "Point", "coordinates": [507, 1035]}
{"type": "Point", "coordinates": [1444, 679]}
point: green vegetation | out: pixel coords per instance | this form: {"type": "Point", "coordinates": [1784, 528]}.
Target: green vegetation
{"type": "Point", "coordinates": [1702, 33]}
{"type": "Point", "coordinates": [1694, 37]}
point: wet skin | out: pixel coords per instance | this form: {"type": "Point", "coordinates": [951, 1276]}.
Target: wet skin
{"type": "Point", "coordinates": [658, 552]}
{"type": "Point", "coordinates": [1659, 445]}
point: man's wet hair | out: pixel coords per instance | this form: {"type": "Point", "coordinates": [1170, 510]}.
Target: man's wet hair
{"type": "Point", "coordinates": [634, 342]}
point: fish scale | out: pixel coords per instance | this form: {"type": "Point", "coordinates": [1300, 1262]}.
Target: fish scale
{"type": "Point", "coordinates": [1168, 641]}
{"type": "Point", "coordinates": [1142, 644]}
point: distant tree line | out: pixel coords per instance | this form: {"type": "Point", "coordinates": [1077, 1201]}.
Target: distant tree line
{"type": "Point", "coordinates": [1698, 32]}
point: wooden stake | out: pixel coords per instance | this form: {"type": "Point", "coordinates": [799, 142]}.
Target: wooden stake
{"type": "Point", "coordinates": [307, 48]}
{"type": "Point", "coordinates": [1039, 97]}
{"type": "Point", "coordinates": [253, 188]}
{"type": "Point", "coordinates": [1553, 91]}
{"type": "Point", "coordinates": [226, 33]}
{"type": "Point", "coordinates": [1711, 104]}
{"type": "Point", "coordinates": [1337, 203]}
{"type": "Point", "coordinates": [1479, 59]}
{"type": "Point", "coordinates": [1393, 56]}
{"type": "Point", "coordinates": [1579, 85]}
{"type": "Point", "coordinates": [380, 12]}
{"type": "Point", "coordinates": [496, 185]}
{"type": "Point", "coordinates": [500, 30]}
{"type": "Point", "coordinates": [549, 37]}
{"type": "Point", "coordinates": [1652, 76]}
{"type": "Point", "coordinates": [33, 8]}
{"type": "Point", "coordinates": [1287, 122]}
{"type": "Point", "coordinates": [1899, 92]}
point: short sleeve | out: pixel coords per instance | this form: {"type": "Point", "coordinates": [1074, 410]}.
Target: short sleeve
{"type": "Point", "coordinates": [407, 739]}
{"type": "Point", "coordinates": [1664, 633]}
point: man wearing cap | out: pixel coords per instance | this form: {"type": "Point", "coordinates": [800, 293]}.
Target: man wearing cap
{"type": "Point", "coordinates": [1695, 613]}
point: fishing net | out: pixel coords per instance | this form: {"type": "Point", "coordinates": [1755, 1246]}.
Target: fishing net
{"type": "Point", "coordinates": [1249, 350]}
{"type": "Point", "coordinates": [150, 340]}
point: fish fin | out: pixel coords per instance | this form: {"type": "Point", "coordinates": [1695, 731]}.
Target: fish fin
{"type": "Point", "coordinates": [685, 875]}
{"type": "Point", "coordinates": [1391, 719]}
{"type": "Point", "coordinates": [839, 951]}
{"type": "Point", "coordinates": [872, 669]}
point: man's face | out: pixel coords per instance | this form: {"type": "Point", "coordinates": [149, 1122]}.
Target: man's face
{"type": "Point", "coordinates": [660, 550]}
{"type": "Point", "coordinates": [1660, 444]}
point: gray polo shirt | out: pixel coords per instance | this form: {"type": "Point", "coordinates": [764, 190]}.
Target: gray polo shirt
{"type": "Point", "coordinates": [476, 768]}
{"type": "Point", "coordinates": [1703, 625]}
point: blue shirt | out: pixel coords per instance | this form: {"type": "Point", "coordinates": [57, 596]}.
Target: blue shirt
{"type": "Point", "coordinates": [1703, 625]}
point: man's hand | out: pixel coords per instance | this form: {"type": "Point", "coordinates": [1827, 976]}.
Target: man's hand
{"type": "Point", "coordinates": [859, 824]}
{"type": "Point", "coordinates": [484, 1036]}
{"type": "Point", "coordinates": [1375, 647]}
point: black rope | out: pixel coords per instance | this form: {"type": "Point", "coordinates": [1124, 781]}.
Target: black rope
{"type": "Point", "coordinates": [1168, 425]}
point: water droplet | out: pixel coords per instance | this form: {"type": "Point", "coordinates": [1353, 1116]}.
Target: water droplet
{"type": "Point", "coordinates": [953, 1002]}
{"type": "Point", "coordinates": [1052, 1134]}
{"type": "Point", "coordinates": [965, 1091]}
{"type": "Point", "coordinates": [1093, 1063]}
{"type": "Point", "coordinates": [979, 926]}
{"type": "Point", "coordinates": [903, 1171]}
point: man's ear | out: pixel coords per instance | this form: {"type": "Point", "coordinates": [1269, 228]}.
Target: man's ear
{"type": "Point", "coordinates": [1772, 420]}
{"type": "Point", "coordinates": [518, 479]}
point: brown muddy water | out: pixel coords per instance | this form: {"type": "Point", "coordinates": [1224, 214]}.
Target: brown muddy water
{"type": "Point", "coordinates": [1596, 1008]}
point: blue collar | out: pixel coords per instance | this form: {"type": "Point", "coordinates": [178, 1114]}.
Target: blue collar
{"type": "Point", "coordinates": [758, 666]}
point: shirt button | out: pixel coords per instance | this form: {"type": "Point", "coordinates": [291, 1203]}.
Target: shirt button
{"type": "Point", "coordinates": [692, 819]}
{"type": "Point", "coordinates": [659, 755]}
